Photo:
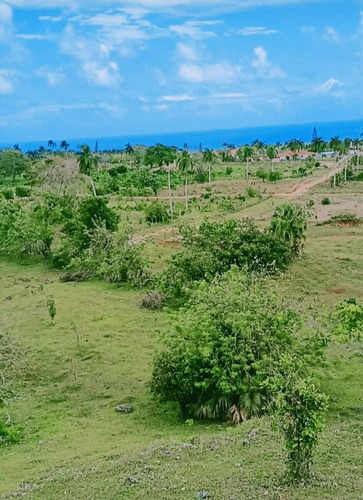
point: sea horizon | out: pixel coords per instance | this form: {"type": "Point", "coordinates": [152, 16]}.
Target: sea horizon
{"type": "Point", "coordinates": [212, 139]}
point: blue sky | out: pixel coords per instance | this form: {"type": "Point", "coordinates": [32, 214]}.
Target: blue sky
{"type": "Point", "coordinates": [72, 68]}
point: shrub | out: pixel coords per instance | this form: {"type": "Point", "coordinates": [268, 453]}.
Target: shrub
{"type": "Point", "coordinates": [253, 192]}
{"type": "Point", "coordinates": [301, 412]}
{"type": "Point", "coordinates": [348, 320]}
{"type": "Point", "coordinates": [8, 194]}
{"type": "Point", "coordinates": [325, 201]}
{"type": "Point", "coordinates": [229, 171]}
{"type": "Point", "coordinates": [289, 224]}
{"type": "Point", "coordinates": [262, 174]}
{"type": "Point", "coordinates": [9, 433]}
{"type": "Point", "coordinates": [215, 247]}
{"type": "Point", "coordinates": [113, 257]}
{"type": "Point", "coordinates": [156, 212]}
{"type": "Point", "coordinates": [230, 349]}
{"type": "Point", "coordinates": [359, 177]}
{"type": "Point", "coordinates": [152, 300]}
{"type": "Point", "coordinates": [274, 176]}
{"type": "Point", "coordinates": [22, 191]}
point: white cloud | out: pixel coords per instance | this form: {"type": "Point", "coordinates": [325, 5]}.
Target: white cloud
{"type": "Point", "coordinates": [221, 72]}
{"type": "Point", "coordinates": [256, 30]}
{"type": "Point", "coordinates": [192, 29]}
{"type": "Point", "coordinates": [263, 67]}
{"type": "Point", "coordinates": [54, 78]}
{"type": "Point", "coordinates": [6, 20]}
{"type": "Point", "coordinates": [104, 75]}
{"type": "Point", "coordinates": [331, 35]}
{"type": "Point", "coordinates": [177, 98]}
{"type": "Point", "coordinates": [187, 52]}
{"type": "Point", "coordinates": [328, 86]}
{"type": "Point", "coordinates": [230, 95]}
{"type": "Point", "coordinates": [31, 36]}
{"type": "Point", "coordinates": [6, 84]}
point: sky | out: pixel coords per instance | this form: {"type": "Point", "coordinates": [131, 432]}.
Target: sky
{"type": "Point", "coordinates": [72, 68]}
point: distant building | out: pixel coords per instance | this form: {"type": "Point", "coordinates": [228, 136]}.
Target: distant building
{"type": "Point", "coordinates": [289, 155]}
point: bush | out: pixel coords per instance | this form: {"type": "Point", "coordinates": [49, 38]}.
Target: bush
{"type": "Point", "coordinates": [8, 194]}
{"type": "Point", "coordinates": [22, 191]}
{"type": "Point", "coordinates": [215, 247]}
{"type": "Point", "coordinates": [253, 192]}
{"type": "Point", "coordinates": [229, 171]}
{"type": "Point", "coordinates": [230, 349]}
{"type": "Point", "coordinates": [301, 413]}
{"type": "Point", "coordinates": [9, 433]}
{"type": "Point", "coordinates": [113, 257]}
{"type": "Point", "coordinates": [348, 320]}
{"type": "Point", "coordinates": [274, 176]}
{"type": "Point", "coordinates": [156, 212]}
{"type": "Point", "coordinates": [289, 224]}
{"type": "Point", "coordinates": [325, 201]}
{"type": "Point", "coordinates": [262, 174]}
{"type": "Point", "coordinates": [152, 300]}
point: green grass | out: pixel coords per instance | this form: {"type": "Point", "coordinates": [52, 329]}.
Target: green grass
{"type": "Point", "coordinates": [75, 444]}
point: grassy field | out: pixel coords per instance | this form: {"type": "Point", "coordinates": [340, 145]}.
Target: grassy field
{"type": "Point", "coordinates": [98, 354]}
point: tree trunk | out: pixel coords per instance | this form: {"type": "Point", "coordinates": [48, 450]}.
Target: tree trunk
{"type": "Point", "coordinates": [170, 197]}
{"type": "Point", "coordinates": [93, 187]}
{"type": "Point", "coordinates": [210, 174]}
{"type": "Point", "coordinates": [247, 169]}
{"type": "Point", "coordinates": [186, 192]}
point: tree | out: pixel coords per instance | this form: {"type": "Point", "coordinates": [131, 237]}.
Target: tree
{"type": "Point", "coordinates": [318, 145]}
{"type": "Point", "coordinates": [209, 157]}
{"type": "Point", "coordinates": [64, 145]}
{"type": "Point", "coordinates": [335, 143]}
{"type": "Point", "coordinates": [271, 153]}
{"type": "Point", "coordinates": [51, 145]}
{"type": "Point", "coordinates": [128, 149]}
{"type": "Point", "coordinates": [185, 163]}
{"type": "Point", "coordinates": [87, 162]}
{"type": "Point", "coordinates": [13, 163]}
{"type": "Point", "coordinates": [246, 154]}
{"type": "Point", "coordinates": [289, 223]}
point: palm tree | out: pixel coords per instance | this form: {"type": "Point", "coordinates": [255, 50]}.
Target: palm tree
{"type": "Point", "coordinates": [247, 155]}
{"type": "Point", "coordinates": [271, 153]}
{"type": "Point", "coordinates": [209, 157]}
{"type": "Point", "coordinates": [87, 162]}
{"type": "Point", "coordinates": [318, 145]}
{"type": "Point", "coordinates": [51, 145]}
{"type": "Point", "coordinates": [335, 143]}
{"type": "Point", "coordinates": [64, 145]}
{"type": "Point", "coordinates": [128, 149]}
{"type": "Point", "coordinates": [185, 163]}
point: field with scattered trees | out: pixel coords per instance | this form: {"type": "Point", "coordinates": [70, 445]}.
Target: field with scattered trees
{"type": "Point", "coordinates": [179, 325]}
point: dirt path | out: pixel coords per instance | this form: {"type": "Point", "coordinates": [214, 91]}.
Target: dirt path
{"type": "Point", "coordinates": [304, 186]}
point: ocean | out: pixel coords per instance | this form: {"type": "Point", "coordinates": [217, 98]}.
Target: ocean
{"type": "Point", "coordinates": [213, 139]}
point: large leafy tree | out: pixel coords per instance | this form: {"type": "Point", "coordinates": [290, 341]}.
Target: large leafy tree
{"type": "Point", "coordinates": [209, 158]}
{"type": "Point", "coordinates": [13, 163]}
{"type": "Point", "coordinates": [87, 164]}
{"type": "Point", "coordinates": [185, 164]}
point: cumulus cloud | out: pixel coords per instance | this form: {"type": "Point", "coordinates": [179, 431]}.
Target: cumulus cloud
{"type": "Point", "coordinates": [264, 67]}
{"type": "Point", "coordinates": [105, 75]}
{"type": "Point", "coordinates": [256, 30]}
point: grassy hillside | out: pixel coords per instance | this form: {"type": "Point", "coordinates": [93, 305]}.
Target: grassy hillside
{"type": "Point", "coordinates": [98, 354]}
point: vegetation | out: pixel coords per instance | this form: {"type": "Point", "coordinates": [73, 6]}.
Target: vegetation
{"type": "Point", "coordinates": [249, 333]}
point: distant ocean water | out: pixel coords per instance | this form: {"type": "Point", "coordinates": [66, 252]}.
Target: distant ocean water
{"type": "Point", "coordinates": [212, 139]}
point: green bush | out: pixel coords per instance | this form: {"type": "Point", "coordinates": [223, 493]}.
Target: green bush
{"type": "Point", "coordinates": [325, 201]}
{"type": "Point", "coordinates": [156, 211]}
{"type": "Point", "coordinates": [229, 171]}
{"type": "Point", "coordinates": [348, 320]}
{"type": "Point", "coordinates": [8, 194]}
{"type": "Point", "coordinates": [262, 174]}
{"type": "Point", "coordinates": [253, 192]}
{"type": "Point", "coordinates": [9, 433]}
{"type": "Point", "coordinates": [215, 247]}
{"type": "Point", "coordinates": [274, 176]}
{"type": "Point", "coordinates": [300, 413]}
{"type": "Point", "coordinates": [22, 191]}
{"type": "Point", "coordinates": [289, 224]}
{"type": "Point", "coordinates": [230, 349]}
